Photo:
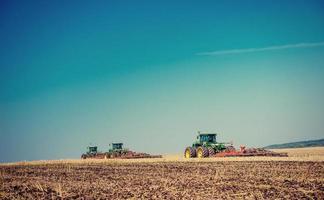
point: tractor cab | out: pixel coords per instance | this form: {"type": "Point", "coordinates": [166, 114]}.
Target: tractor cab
{"type": "Point", "coordinates": [92, 149]}
{"type": "Point", "coordinates": [116, 147]}
{"type": "Point", "coordinates": [206, 138]}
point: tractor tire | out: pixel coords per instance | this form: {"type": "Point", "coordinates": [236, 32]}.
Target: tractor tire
{"type": "Point", "coordinates": [190, 152]}
{"type": "Point", "coordinates": [115, 155]}
{"type": "Point", "coordinates": [211, 151]}
{"type": "Point", "coordinates": [84, 156]}
{"type": "Point", "coordinates": [202, 152]}
{"type": "Point", "coordinates": [107, 156]}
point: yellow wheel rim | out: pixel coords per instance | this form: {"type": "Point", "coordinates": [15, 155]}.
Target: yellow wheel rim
{"type": "Point", "coordinates": [187, 153]}
{"type": "Point", "coordinates": [199, 153]}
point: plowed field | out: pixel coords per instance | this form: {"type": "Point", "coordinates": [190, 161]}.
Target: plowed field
{"type": "Point", "coordinates": [164, 180]}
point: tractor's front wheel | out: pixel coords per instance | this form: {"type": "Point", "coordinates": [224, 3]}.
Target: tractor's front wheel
{"type": "Point", "coordinates": [202, 152]}
{"type": "Point", "coordinates": [190, 152]}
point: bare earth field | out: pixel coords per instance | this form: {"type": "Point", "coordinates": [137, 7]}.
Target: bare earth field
{"type": "Point", "coordinates": [168, 178]}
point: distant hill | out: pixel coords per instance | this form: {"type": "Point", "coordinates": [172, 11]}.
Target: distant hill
{"type": "Point", "coordinates": [309, 143]}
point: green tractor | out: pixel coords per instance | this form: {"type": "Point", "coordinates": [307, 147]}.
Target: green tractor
{"type": "Point", "coordinates": [91, 152]}
{"type": "Point", "coordinates": [116, 150]}
{"type": "Point", "coordinates": [206, 146]}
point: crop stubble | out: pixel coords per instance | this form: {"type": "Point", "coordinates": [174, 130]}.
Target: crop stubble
{"type": "Point", "coordinates": [166, 180]}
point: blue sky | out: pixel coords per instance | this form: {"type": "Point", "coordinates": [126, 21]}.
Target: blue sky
{"type": "Point", "coordinates": [151, 74]}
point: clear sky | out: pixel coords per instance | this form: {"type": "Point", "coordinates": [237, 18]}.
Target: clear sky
{"type": "Point", "coordinates": [151, 74]}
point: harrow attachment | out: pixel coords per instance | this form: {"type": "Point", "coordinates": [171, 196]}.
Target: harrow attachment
{"type": "Point", "coordinates": [245, 152]}
{"type": "Point", "coordinates": [134, 155]}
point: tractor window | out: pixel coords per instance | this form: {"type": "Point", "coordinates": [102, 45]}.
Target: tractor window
{"type": "Point", "coordinates": [212, 138]}
{"type": "Point", "coordinates": [207, 138]}
{"type": "Point", "coordinates": [117, 146]}
{"type": "Point", "coordinates": [204, 138]}
{"type": "Point", "coordinates": [92, 149]}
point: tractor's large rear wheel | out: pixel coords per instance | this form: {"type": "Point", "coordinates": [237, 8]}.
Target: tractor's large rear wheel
{"type": "Point", "coordinates": [211, 151]}
{"type": "Point", "coordinates": [115, 155]}
{"type": "Point", "coordinates": [190, 152]}
{"type": "Point", "coordinates": [202, 152]}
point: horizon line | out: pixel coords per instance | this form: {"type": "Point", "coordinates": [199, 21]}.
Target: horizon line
{"type": "Point", "coordinates": [268, 48]}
